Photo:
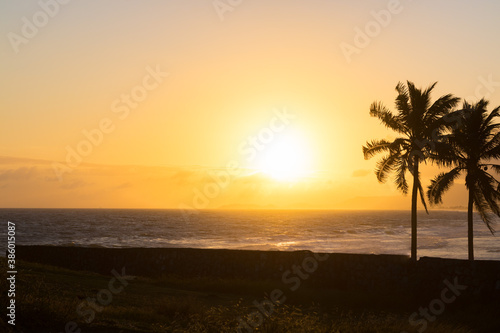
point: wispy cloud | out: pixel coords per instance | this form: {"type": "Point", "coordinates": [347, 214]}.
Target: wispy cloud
{"type": "Point", "coordinates": [21, 173]}
{"type": "Point", "coordinates": [31, 183]}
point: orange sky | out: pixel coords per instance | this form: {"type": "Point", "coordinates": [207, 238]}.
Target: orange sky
{"type": "Point", "coordinates": [157, 101]}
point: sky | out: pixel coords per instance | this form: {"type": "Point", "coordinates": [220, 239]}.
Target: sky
{"type": "Point", "coordinates": [223, 104]}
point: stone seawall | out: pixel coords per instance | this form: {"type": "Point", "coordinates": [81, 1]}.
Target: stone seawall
{"type": "Point", "coordinates": [335, 270]}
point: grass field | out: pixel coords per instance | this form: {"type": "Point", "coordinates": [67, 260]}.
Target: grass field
{"type": "Point", "coordinates": [48, 298]}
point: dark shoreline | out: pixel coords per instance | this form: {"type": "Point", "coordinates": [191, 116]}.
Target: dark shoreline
{"type": "Point", "coordinates": [139, 290]}
{"type": "Point", "coordinates": [334, 270]}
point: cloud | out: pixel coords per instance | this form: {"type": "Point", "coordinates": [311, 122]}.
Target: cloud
{"type": "Point", "coordinates": [28, 183]}
{"type": "Point", "coordinates": [17, 174]}
{"type": "Point", "coordinates": [73, 185]}
{"type": "Point", "coordinates": [182, 177]}
{"type": "Point", "coordinates": [51, 179]}
{"type": "Point", "coordinates": [361, 173]}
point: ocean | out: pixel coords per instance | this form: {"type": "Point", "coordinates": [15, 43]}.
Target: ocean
{"type": "Point", "coordinates": [440, 234]}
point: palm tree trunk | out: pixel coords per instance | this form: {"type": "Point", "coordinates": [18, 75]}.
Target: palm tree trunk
{"type": "Point", "coordinates": [414, 195]}
{"type": "Point", "coordinates": [470, 221]}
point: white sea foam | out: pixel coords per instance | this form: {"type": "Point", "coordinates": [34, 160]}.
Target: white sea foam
{"type": "Point", "coordinates": [441, 233]}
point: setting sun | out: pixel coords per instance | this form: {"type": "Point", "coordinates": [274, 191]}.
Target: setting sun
{"type": "Point", "coordinates": [288, 159]}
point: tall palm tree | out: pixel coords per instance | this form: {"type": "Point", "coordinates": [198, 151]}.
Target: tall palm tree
{"type": "Point", "coordinates": [417, 121]}
{"type": "Point", "coordinates": [469, 149]}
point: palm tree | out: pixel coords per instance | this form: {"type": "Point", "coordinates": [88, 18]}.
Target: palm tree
{"type": "Point", "coordinates": [469, 148]}
{"type": "Point", "coordinates": [416, 122]}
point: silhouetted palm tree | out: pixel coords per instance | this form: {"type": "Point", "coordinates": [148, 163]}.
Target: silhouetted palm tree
{"type": "Point", "coordinates": [417, 122]}
{"type": "Point", "coordinates": [469, 148]}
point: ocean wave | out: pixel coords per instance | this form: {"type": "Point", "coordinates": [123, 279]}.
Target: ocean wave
{"type": "Point", "coordinates": [439, 244]}
{"type": "Point", "coordinates": [349, 232]}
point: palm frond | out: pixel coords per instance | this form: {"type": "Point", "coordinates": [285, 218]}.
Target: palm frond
{"type": "Point", "coordinates": [491, 135]}
{"type": "Point", "coordinates": [403, 100]}
{"type": "Point", "coordinates": [445, 153]}
{"type": "Point", "coordinates": [417, 108]}
{"type": "Point", "coordinates": [422, 194]}
{"type": "Point", "coordinates": [400, 179]}
{"type": "Point", "coordinates": [386, 117]}
{"type": "Point", "coordinates": [385, 166]}
{"type": "Point", "coordinates": [374, 147]}
{"type": "Point", "coordinates": [492, 143]}
{"type": "Point", "coordinates": [429, 89]}
{"type": "Point", "coordinates": [441, 107]}
{"type": "Point", "coordinates": [493, 153]}
{"type": "Point", "coordinates": [495, 167]}
{"type": "Point", "coordinates": [488, 185]}
{"type": "Point", "coordinates": [420, 100]}
{"type": "Point", "coordinates": [490, 130]}
{"type": "Point", "coordinates": [454, 119]}
{"type": "Point", "coordinates": [440, 184]}
{"type": "Point", "coordinates": [493, 115]}
{"type": "Point", "coordinates": [482, 208]}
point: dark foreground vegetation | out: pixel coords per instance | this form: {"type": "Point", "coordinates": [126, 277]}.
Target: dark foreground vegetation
{"type": "Point", "coordinates": [48, 298]}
